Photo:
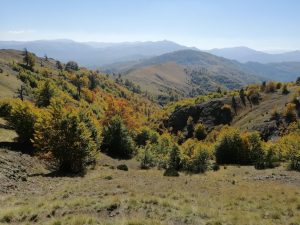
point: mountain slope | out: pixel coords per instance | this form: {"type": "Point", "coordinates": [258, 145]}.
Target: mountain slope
{"type": "Point", "coordinates": [198, 73]}
{"type": "Point", "coordinates": [94, 54]}
{"type": "Point", "coordinates": [285, 71]}
{"type": "Point", "coordinates": [244, 54]}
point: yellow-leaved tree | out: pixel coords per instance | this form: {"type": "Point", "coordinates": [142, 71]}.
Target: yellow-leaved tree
{"type": "Point", "coordinates": [62, 131]}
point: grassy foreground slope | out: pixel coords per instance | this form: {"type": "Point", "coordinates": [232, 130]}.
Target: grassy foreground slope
{"type": "Point", "coordinates": [106, 195]}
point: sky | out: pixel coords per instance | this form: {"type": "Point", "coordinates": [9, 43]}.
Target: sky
{"type": "Point", "coordinates": [260, 24]}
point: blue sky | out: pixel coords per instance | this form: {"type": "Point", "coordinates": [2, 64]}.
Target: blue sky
{"type": "Point", "coordinates": [259, 24]}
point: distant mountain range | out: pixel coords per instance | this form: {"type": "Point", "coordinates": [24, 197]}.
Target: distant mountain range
{"type": "Point", "coordinates": [244, 54]}
{"type": "Point", "coordinates": [94, 54]}
{"type": "Point", "coordinates": [145, 61]}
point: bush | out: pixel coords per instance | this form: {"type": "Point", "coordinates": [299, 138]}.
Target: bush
{"type": "Point", "coordinates": [195, 156]}
{"type": "Point", "coordinates": [275, 115]}
{"type": "Point", "coordinates": [146, 157]}
{"type": "Point", "coordinates": [156, 154]}
{"type": "Point", "coordinates": [226, 114]}
{"type": "Point", "coordinates": [278, 85]}
{"type": "Point", "coordinates": [253, 146]}
{"type": "Point", "coordinates": [171, 172]}
{"type": "Point", "coordinates": [290, 114]}
{"type": "Point", "coordinates": [61, 131]}
{"type": "Point", "coordinates": [200, 132]}
{"type": "Point", "coordinates": [174, 158]}
{"type": "Point", "coordinates": [253, 95]}
{"type": "Point", "coordinates": [230, 148]}
{"type": "Point", "coordinates": [270, 158]}
{"type": "Point", "coordinates": [21, 116]}
{"type": "Point", "coordinates": [145, 135]}
{"type": "Point", "coordinates": [290, 146]}
{"type": "Point", "coordinates": [298, 81]}
{"type": "Point", "coordinates": [116, 139]}
{"type": "Point", "coordinates": [122, 167]}
{"type": "Point", "coordinates": [285, 91]}
{"type": "Point", "coordinates": [71, 66]}
{"type": "Point", "coordinates": [239, 148]}
{"type": "Point", "coordinates": [271, 87]}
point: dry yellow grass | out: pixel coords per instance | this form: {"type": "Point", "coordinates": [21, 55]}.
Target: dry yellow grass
{"type": "Point", "coordinates": [235, 195]}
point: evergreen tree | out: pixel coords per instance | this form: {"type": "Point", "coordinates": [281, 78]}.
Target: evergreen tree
{"type": "Point", "coordinates": [234, 105]}
{"type": "Point", "coordinates": [59, 65]}
{"type": "Point", "coordinates": [116, 139]}
{"type": "Point", "coordinates": [72, 66]}
{"type": "Point", "coordinates": [44, 94]}
{"type": "Point", "coordinates": [28, 59]}
{"type": "Point", "coordinates": [242, 96]}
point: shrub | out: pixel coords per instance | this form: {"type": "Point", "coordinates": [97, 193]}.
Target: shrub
{"type": "Point", "coordinates": [116, 139]}
{"type": "Point", "coordinates": [271, 157]}
{"type": "Point", "coordinates": [171, 172]}
{"type": "Point", "coordinates": [173, 163]}
{"type": "Point", "coordinates": [200, 132]}
{"type": "Point", "coordinates": [271, 87]}
{"type": "Point", "coordinates": [253, 146]}
{"type": "Point", "coordinates": [144, 135]}
{"type": "Point", "coordinates": [21, 116]}
{"type": "Point", "coordinates": [226, 114]}
{"type": "Point", "coordinates": [71, 66]}
{"type": "Point", "coordinates": [298, 81]}
{"type": "Point", "coordinates": [275, 115]}
{"type": "Point", "coordinates": [253, 95]}
{"type": "Point", "coordinates": [289, 113]}
{"type": "Point", "coordinates": [278, 85]}
{"type": "Point", "coordinates": [156, 154]}
{"type": "Point", "coordinates": [189, 127]}
{"type": "Point", "coordinates": [122, 167]}
{"type": "Point", "coordinates": [263, 86]}
{"type": "Point", "coordinates": [174, 158]}
{"type": "Point", "coordinates": [5, 108]}
{"type": "Point", "coordinates": [195, 156]}
{"type": "Point", "coordinates": [61, 131]}
{"type": "Point", "coordinates": [230, 148]}
{"type": "Point", "coordinates": [146, 157]}
{"type": "Point", "coordinates": [238, 148]}
{"type": "Point", "coordinates": [290, 146]}
{"type": "Point", "coordinates": [215, 167]}
{"type": "Point", "coordinates": [285, 91]}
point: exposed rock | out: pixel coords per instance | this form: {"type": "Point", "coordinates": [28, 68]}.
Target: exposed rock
{"type": "Point", "coordinates": [15, 168]}
{"type": "Point", "coordinates": [209, 113]}
{"type": "Point", "coordinates": [268, 129]}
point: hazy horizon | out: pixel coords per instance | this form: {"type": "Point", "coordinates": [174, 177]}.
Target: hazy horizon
{"type": "Point", "coordinates": [269, 51]}
{"type": "Point", "coordinates": [201, 24]}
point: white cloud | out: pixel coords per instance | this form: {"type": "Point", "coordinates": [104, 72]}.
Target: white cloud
{"type": "Point", "coordinates": [20, 31]}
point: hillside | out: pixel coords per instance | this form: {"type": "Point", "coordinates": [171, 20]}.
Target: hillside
{"type": "Point", "coordinates": [94, 54]}
{"type": "Point", "coordinates": [285, 71]}
{"type": "Point", "coordinates": [78, 147]}
{"type": "Point", "coordinates": [189, 72]}
{"type": "Point", "coordinates": [244, 54]}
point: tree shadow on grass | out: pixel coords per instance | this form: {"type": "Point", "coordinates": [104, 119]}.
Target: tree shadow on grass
{"type": "Point", "coordinates": [58, 173]}
{"type": "Point", "coordinates": [17, 147]}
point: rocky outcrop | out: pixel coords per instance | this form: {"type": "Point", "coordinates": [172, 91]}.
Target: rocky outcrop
{"type": "Point", "coordinates": [209, 113]}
